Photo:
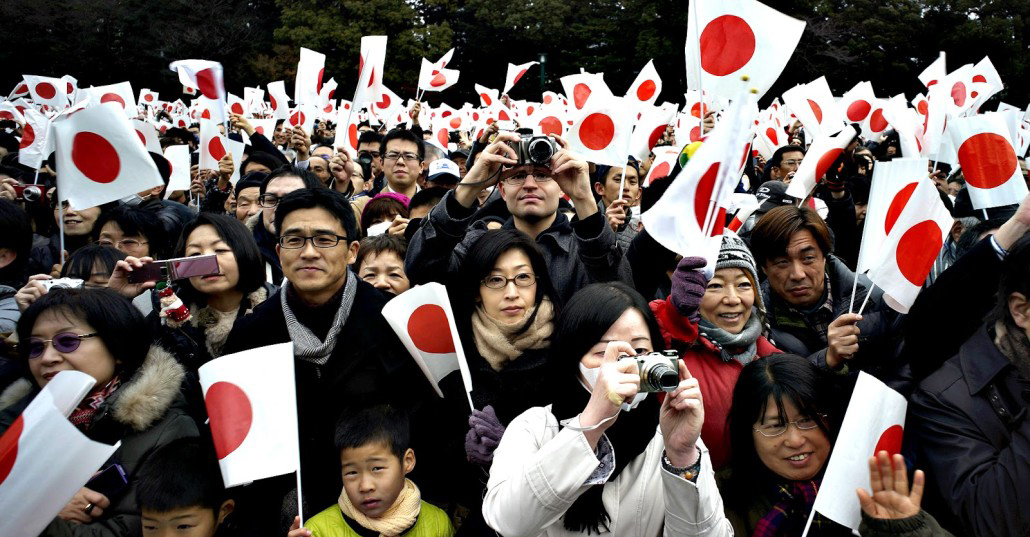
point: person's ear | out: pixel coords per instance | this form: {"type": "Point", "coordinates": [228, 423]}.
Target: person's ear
{"type": "Point", "coordinates": [1019, 309]}
{"type": "Point", "coordinates": [352, 251]}
{"type": "Point", "coordinates": [598, 189]}
{"type": "Point", "coordinates": [7, 256]}
{"type": "Point", "coordinates": [409, 461]}
{"type": "Point", "coordinates": [225, 510]}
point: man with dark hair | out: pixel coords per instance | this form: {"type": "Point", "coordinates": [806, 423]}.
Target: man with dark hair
{"type": "Point", "coordinates": [280, 182]}
{"type": "Point", "coordinates": [368, 150]}
{"type": "Point", "coordinates": [345, 351]}
{"type": "Point", "coordinates": [133, 231]}
{"type": "Point", "coordinates": [402, 156]}
{"type": "Point", "coordinates": [807, 293]}
{"type": "Point", "coordinates": [784, 163]}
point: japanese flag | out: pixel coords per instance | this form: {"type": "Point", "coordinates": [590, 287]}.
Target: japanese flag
{"type": "Point", "coordinates": [907, 123]}
{"type": "Point", "coordinates": [386, 103]}
{"type": "Point", "coordinates": [988, 160]}
{"type": "Point", "coordinates": [325, 96]}
{"type": "Point", "coordinates": [147, 134]}
{"type": "Point", "coordinates": [424, 322]}
{"type": "Point", "coordinates": [206, 76]}
{"type": "Point", "coordinates": [34, 146]}
{"type": "Point", "coordinates": [915, 236]}
{"type": "Point", "coordinates": [738, 37]}
{"type": "Point", "coordinates": [551, 119]}
{"type": "Point", "coordinates": [308, 83]}
{"type": "Point", "coordinates": [21, 90]}
{"type": "Point", "coordinates": [857, 104]}
{"type": "Point", "coordinates": [646, 87]}
{"type": "Point", "coordinates": [551, 98]}
{"type": "Point", "coordinates": [958, 84]}
{"type": "Point", "coordinates": [515, 73]}
{"type": "Point", "coordinates": [370, 69]}
{"type": "Point", "coordinates": [72, 86]}
{"type": "Point", "coordinates": [935, 72]}
{"type": "Point", "coordinates": [178, 157]}
{"type": "Point", "coordinates": [581, 87]}
{"type": "Point", "coordinates": [893, 184]}
{"type": "Point", "coordinates": [100, 159]}
{"type": "Point", "coordinates": [303, 116]}
{"type": "Point", "coordinates": [741, 206]}
{"type": "Point", "coordinates": [817, 161]}
{"type": "Point", "coordinates": [251, 399]}
{"type": "Point", "coordinates": [11, 112]}
{"type": "Point", "coordinates": [433, 77]}
{"type": "Point", "coordinates": [603, 130]}
{"type": "Point", "coordinates": [874, 422]}
{"type": "Point", "coordinates": [120, 94]}
{"type": "Point", "coordinates": [237, 105]}
{"type": "Point", "coordinates": [253, 98]}
{"type": "Point", "coordinates": [264, 127]}
{"type": "Point", "coordinates": [44, 459]}
{"type": "Point", "coordinates": [52, 92]}
{"type": "Point", "coordinates": [212, 145]}
{"type": "Point", "coordinates": [650, 128]}
{"type": "Point", "coordinates": [814, 106]}
{"type": "Point", "coordinates": [663, 163]}
{"type": "Point", "coordinates": [278, 99]}
{"type": "Point", "coordinates": [986, 77]}
{"type": "Point", "coordinates": [487, 96]}
{"type": "Point", "coordinates": [347, 130]}
{"type": "Point", "coordinates": [147, 97]}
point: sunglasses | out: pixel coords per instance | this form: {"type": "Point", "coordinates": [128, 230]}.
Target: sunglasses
{"type": "Point", "coordinates": [63, 342]}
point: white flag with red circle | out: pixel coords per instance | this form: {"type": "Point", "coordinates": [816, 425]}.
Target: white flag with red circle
{"type": "Point", "coordinates": [237, 105]}
{"type": "Point", "coordinates": [988, 160]}
{"type": "Point", "coordinates": [120, 94]}
{"type": "Point", "coordinates": [814, 106]}
{"type": "Point", "coordinates": [100, 159]}
{"type": "Point", "coordinates": [44, 459]}
{"type": "Point", "coordinates": [935, 72]}
{"type": "Point", "coordinates": [264, 127]}
{"type": "Point", "coordinates": [325, 95]}
{"type": "Point", "coordinates": [603, 130]}
{"type": "Point", "coordinates": [892, 186]}
{"type": "Point", "coordinates": [663, 163]}
{"type": "Point", "coordinates": [914, 240]}
{"type": "Point", "coordinates": [650, 128]}
{"type": "Point", "coordinates": [424, 322]}
{"type": "Point", "coordinates": [579, 88]}
{"type": "Point", "coordinates": [820, 156]}
{"type": "Point", "coordinates": [213, 145]}
{"type": "Point", "coordinates": [251, 400]}
{"type": "Point", "coordinates": [147, 134]}
{"type": "Point", "coordinates": [551, 98]}
{"type": "Point", "coordinates": [433, 77]}
{"type": "Point", "coordinates": [515, 73]}
{"type": "Point", "coordinates": [370, 70]}
{"type": "Point", "coordinates": [487, 96]}
{"type": "Point", "coordinates": [858, 103]}
{"type": "Point", "coordinates": [386, 103]}
{"type": "Point", "coordinates": [49, 91]}
{"type": "Point", "coordinates": [959, 84]}
{"type": "Point", "coordinates": [646, 87]}
{"type": "Point", "coordinates": [33, 146]}
{"type": "Point", "coordinates": [279, 100]}
{"type": "Point", "coordinates": [985, 80]}
{"type": "Point", "coordinates": [308, 83]}
{"type": "Point", "coordinates": [11, 112]}
{"type": "Point", "coordinates": [551, 119]}
{"type": "Point", "coordinates": [207, 77]}
{"type": "Point", "coordinates": [737, 38]}
{"type": "Point", "coordinates": [148, 97]}
{"type": "Point", "coordinates": [178, 157]}
{"type": "Point", "coordinates": [303, 116]}
{"type": "Point", "coordinates": [20, 90]}
{"type": "Point", "coordinates": [874, 422]}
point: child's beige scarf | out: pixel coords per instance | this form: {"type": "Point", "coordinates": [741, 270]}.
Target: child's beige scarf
{"type": "Point", "coordinates": [400, 517]}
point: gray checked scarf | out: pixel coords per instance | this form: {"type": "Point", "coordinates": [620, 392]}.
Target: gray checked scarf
{"type": "Point", "coordinates": [306, 344]}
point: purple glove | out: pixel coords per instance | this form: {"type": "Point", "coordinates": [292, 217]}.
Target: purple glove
{"type": "Point", "coordinates": [688, 286]}
{"type": "Point", "coordinates": [484, 434]}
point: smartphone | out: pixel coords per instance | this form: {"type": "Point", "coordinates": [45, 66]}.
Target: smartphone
{"type": "Point", "coordinates": [109, 481]}
{"type": "Point", "coordinates": [176, 269]}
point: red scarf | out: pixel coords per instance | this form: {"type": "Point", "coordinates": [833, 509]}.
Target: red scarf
{"type": "Point", "coordinates": [82, 416]}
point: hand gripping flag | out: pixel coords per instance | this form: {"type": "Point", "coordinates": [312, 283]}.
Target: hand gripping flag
{"type": "Point", "coordinates": [206, 76]}
{"type": "Point", "coordinates": [732, 38]}
{"type": "Point", "coordinates": [602, 132]}
{"type": "Point", "coordinates": [251, 399]}
{"type": "Point", "coordinates": [99, 158]}
{"type": "Point", "coordinates": [988, 160]}
{"type": "Point", "coordinates": [424, 322]}
{"type": "Point", "coordinates": [817, 161]}
{"type": "Point", "coordinates": [308, 83]}
{"type": "Point", "coordinates": [647, 86]}
{"type": "Point", "coordinates": [515, 73]}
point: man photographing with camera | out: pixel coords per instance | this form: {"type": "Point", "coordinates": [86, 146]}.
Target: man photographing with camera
{"type": "Point", "coordinates": [531, 174]}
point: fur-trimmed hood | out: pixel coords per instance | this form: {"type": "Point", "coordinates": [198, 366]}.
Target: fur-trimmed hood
{"type": "Point", "coordinates": [253, 221]}
{"type": "Point", "coordinates": [138, 403]}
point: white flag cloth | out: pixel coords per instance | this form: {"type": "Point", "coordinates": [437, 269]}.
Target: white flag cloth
{"type": "Point", "coordinates": [206, 76]}
{"type": "Point", "coordinates": [325, 96]}
{"type": "Point", "coordinates": [235, 149]}
{"type": "Point", "coordinates": [34, 145]}
{"type": "Point", "coordinates": [424, 322]}
{"type": "Point", "coordinates": [237, 105]}
{"type": "Point", "coordinates": [935, 72]}
{"type": "Point", "coordinates": [907, 123]}
{"type": "Point", "coordinates": [100, 159]}
{"type": "Point", "coordinates": [279, 100]}
{"type": "Point", "coordinates": [44, 459]}
{"type": "Point", "coordinates": [814, 106]}
{"type": "Point", "coordinates": [988, 160]}
{"type": "Point", "coordinates": [11, 112]}
{"type": "Point", "coordinates": [914, 240]}
{"type": "Point", "coordinates": [663, 163]}
{"type": "Point", "coordinates": [147, 97]}
{"type": "Point", "coordinates": [50, 91]}
{"type": "Point", "coordinates": [370, 70]}
{"type": "Point", "coordinates": [487, 96]}
{"type": "Point", "coordinates": [120, 94]}
{"type": "Point", "coordinates": [820, 156]}
{"type": "Point", "coordinates": [581, 87]}
{"type": "Point", "coordinates": [738, 37]}
{"type": "Point", "coordinates": [303, 116]}
{"type": "Point", "coordinates": [646, 87]}
{"type": "Point", "coordinates": [148, 136]}
{"type": "Point", "coordinates": [741, 206]}
{"type": "Point", "coordinates": [178, 157]}
{"type": "Point", "coordinates": [551, 120]}
{"type": "Point", "coordinates": [650, 128]}
{"type": "Point", "coordinates": [515, 73]}
{"type": "Point", "coordinates": [602, 131]}
{"type": "Point", "coordinates": [251, 399]}
{"type": "Point", "coordinates": [433, 77]}
{"type": "Point", "coordinates": [874, 422]}
{"type": "Point", "coordinates": [986, 78]}
{"type": "Point", "coordinates": [892, 186]}
{"type": "Point", "coordinates": [213, 145]}
{"type": "Point", "coordinates": [308, 83]}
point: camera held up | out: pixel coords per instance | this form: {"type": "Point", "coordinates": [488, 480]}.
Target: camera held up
{"type": "Point", "coordinates": [659, 371]}
{"type": "Point", "coordinates": [534, 150]}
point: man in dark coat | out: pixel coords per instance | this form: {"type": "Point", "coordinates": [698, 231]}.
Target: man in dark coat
{"type": "Point", "coordinates": [346, 354]}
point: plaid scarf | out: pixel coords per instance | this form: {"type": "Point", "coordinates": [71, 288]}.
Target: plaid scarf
{"type": "Point", "coordinates": [306, 345]}
{"type": "Point", "coordinates": [82, 416]}
{"type": "Point", "coordinates": [793, 502]}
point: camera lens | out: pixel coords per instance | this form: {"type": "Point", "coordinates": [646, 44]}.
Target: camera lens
{"type": "Point", "coordinates": [540, 151]}
{"type": "Point", "coordinates": [31, 193]}
{"type": "Point", "coordinates": [662, 376]}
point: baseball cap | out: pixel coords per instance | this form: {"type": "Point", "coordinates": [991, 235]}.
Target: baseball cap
{"type": "Point", "coordinates": [444, 171]}
{"type": "Point", "coordinates": [772, 194]}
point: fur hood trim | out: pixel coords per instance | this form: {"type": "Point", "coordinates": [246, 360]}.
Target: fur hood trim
{"type": "Point", "coordinates": [15, 392]}
{"type": "Point", "coordinates": [147, 396]}
{"type": "Point", "coordinates": [253, 220]}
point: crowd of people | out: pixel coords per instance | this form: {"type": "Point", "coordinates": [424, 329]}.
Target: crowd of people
{"type": "Point", "coordinates": [554, 283]}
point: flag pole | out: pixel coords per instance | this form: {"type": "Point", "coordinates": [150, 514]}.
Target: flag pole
{"type": "Point", "coordinates": [866, 300]}
{"type": "Point", "coordinates": [808, 524]}
{"type": "Point", "coordinates": [700, 91]}
{"type": "Point", "coordinates": [854, 289]}
{"type": "Point", "coordinates": [60, 254]}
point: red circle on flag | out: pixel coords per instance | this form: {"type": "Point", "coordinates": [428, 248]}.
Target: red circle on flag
{"type": "Point", "coordinates": [148, 97]}
{"type": "Point", "coordinates": [297, 118]}
{"type": "Point", "coordinates": [826, 161]}
{"type": "Point", "coordinates": [703, 194]}
{"type": "Point", "coordinates": [661, 170]}
{"type": "Point", "coordinates": [9, 447]}
{"type": "Point", "coordinates": [236, 108]}
{"type": "Point", "coordinates": [486, 99]}
{"type": "Point", "coordinates": [547, 99]}
{"type": "Point", "coordinates": [28, 135]}
{"type": "Point", "coordinates": [328, 108]}
{"type": "Point", "coordinates": [858, 110]}
{"type": "Point", "coordinates": [475, 116]}
{"type": "Point", "coordinates": [385, 103]}
{"type": "Point", "coordinates": [70, 88]}
{"type": "Point", "coordinates": [182, 122]}
{"type": "Point", "coordinates": [877, 122]}
{"type": "Point", "coordinates": [259, 129]}
{"type": "Point", "coordinates": [441, 136]}
{"type": "Point", "coordinates": [455, 122]}
{"type": "Point", "coordinates": [771, 133]}
{"type": "Point", "coordinates": [727, 44]}
{"type": "Point", "coordinates": [231, 416]}
{"type": "Point", "coordinates": [696, 110]}
{"type": "Point", "coordinates": [274, 104]}
{"type": "Point", "coordinates": [917, 251]}
{"type": "Point", "coordinates": [318, 81]}
{"type": "Point", "coordinates": [655, 135]}
{"type": "Point", "coordinates": [95, 157]}
{"type": "Point", "coordinates": [597, 131]}
{"type": "Point", "coordinates": [816, 110]}
{"type": "Point", "coordinates": [973, 94]}
{"type": "Point", "coordinates": [530, 110]}
{"type": "Point", "coordinates": [646, 90]}
{"type": "Point", "coordinates": [958, 93]}
{"type": "Point", "coordinates": [897, 206]}
{"type": "Point", "coordinates": [517, 77]}
{"type": "Point", "coordinates": [113, 98]}
{"type": "Point", "coordinates": [6, 114]}
{"type": "Point", "coordinates": [206, 114]}
{"type": "Point", "coordinates": [987, 160]}
{"type": "Point", "coordinates": [142, 138]}
{"type": "Point", "coordinates": [352, 135]}
{"type": "Point", "coordinates": [979, 78]}
{"type": "Point", "coordinates": [922, 107]}
{"type": "Point", "coordinates": [444, 114]}
{"type": "Point", "coordinates": [46, 90]}
{"type": "Point", "coordinates": [551, 125]}
{"type": "Point", "coordinates": [695, 134]}
{"type": "Point", "coordinates": [215, 148]}
{"type": "Point", "coordinates": [890, 441]}
{"type": "Point", "coordinates": [22, 88]}
{"type": "Point", "coordinates": [429, 330]}
{"type": "Point", "coordinates": [580, 93]}
{"type": "Point", "coordinates": [438, 80]}
{"type": "Point", "coordinates": [489, 121]}
{"type": "Point", "coordinates": [930, 83]}
{"type": "Point", "coordinates": [206, 83]}
{"type": "Point", "coordinates": [503, 116]}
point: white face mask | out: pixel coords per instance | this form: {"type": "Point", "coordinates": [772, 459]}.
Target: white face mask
{"type": "Point", "coordinates": [590, 374]}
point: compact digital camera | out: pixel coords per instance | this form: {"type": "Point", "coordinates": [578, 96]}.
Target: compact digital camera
{"type": "Point", "coordinates": [30, 193]}
{"type": "Point", "coordinates": [534, 150]}
{"type": "Point", "coordinates": [62, 283]}
{"type": "Point", "coordinates": [659, 371]}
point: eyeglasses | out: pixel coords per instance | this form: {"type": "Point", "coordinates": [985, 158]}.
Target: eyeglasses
{"type": "Point", "coordinates": [410, 157]}
{"type": "Point", "coordinates": [373, 154]}
{"type": "Point", "coordinates": [520, 179]}
{"type": "Point", "coordinates": [268, 201]}
{"type": "Point", "coordinates": [803, 424]}
{"type": "Point", "coordinates": [792, 162]}
{"type": "Point", "coordinates": [523, 279]}
{"type": "Point", "coordinates": [123, 243]}
{"type": "Point", "coordinates": [324, 240]}
{"type": "Point", "coordinates": [63, 342]}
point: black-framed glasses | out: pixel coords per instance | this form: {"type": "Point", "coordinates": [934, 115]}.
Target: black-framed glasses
{"type": "Point", "coordinates": [519, 179]}
{"type": "Point", "coordinates": [322, 240]}
{"type": "Point", "coordinates": [63, 342]}
{"type": "Point", "coordinates": [805, 423]}
{"type": "Point", "coordinates": [523, 279]}
{"type": "Point", "coordinates": [410, 157]}
{"type": "Point", "coordinates": [123, 243]}
{"type": "Point", "coordinates": [269, 201]}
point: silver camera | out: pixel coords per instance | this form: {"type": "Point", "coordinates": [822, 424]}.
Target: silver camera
{"type": "Point", "coordinates": [62, 283]}
{"type": "Point", "coordinates": [659, 371]}
{"type": "Point", "coordinates": [535, 150]}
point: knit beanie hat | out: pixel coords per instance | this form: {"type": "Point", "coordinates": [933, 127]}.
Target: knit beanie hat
{"type": "Point", "coordinates": [735, 254]}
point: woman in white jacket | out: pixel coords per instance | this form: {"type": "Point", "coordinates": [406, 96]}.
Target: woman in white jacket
{"type": "Point", "coordinates": [583, 464]}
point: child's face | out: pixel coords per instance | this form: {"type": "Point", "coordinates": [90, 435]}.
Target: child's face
{"type": "Point", "coordinates": [373, 476]}
{"type": "Point", "coordinates": [194, 521]}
